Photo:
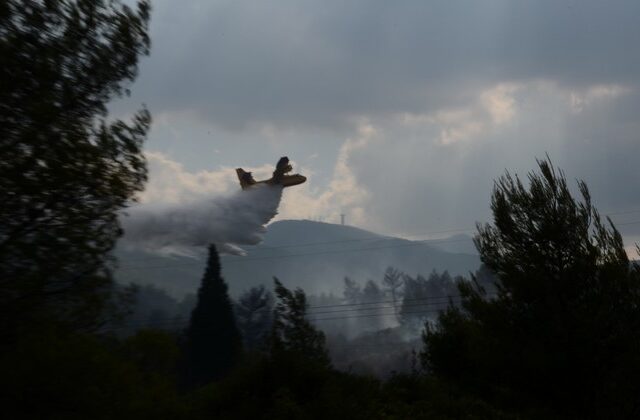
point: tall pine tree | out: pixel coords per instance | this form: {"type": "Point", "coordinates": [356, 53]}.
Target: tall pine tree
{"type": "Point", "coordinates": [213, 342]}
{"type": "Point", "coordinates": [254, 315]}
{"type": "Point", "coordinates": [293, 337]}
{"type": "Point", "coordinates": [561, 333]}
{"type": "Point", "coordinates": [393, 282]}
{"type": "Point", "coordinates": [66, 168]}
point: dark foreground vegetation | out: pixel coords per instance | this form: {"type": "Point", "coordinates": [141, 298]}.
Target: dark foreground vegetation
{"type": "Point", "coordinates": [556, 336]}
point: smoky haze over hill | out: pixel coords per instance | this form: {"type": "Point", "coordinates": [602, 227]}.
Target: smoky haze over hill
{"type": "Point", "coordinates": [228, 221]}
{"type": "Point", "coordinates": [312, 255]}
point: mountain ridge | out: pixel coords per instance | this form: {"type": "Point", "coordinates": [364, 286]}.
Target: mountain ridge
{"type": "Point", "coordinates": [315, 256]}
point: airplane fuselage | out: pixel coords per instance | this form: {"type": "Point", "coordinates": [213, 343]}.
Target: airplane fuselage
{"type": "Point", "coordinates": [279, 178]}
{"type": "Point", "coordinates": [286, 181]}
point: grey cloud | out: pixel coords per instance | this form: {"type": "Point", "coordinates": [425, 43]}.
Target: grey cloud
{"type": "Point", "coordinates": [419, 185]}
{"type": "Point", "coordinates": [321, 63]}
{"type": "Point", "coordinates": [315, 67]}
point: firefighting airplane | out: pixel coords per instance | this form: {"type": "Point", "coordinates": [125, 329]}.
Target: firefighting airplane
{"type": "Point", "coordinates": [279, 176]}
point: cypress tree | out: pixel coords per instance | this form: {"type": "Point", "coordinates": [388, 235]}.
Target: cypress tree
{"type": "Point", "coordinates": [213, 343]}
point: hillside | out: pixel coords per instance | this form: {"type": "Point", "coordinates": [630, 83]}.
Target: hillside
{"type": "Point", "coordinates": [312, 255]}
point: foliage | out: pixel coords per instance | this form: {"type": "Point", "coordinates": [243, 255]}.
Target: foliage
{"type": "Point", "coordinates": [254, 316]}
{"type": "Point", "coordinates": [56, 375]}
{"type": "Point", "coordinates": [78, 376]}
{"type": "Point", "coordinates": [65, 170]}
{"type": "Point", "coordinates": [292, 335]}
{"type": "Point", "coordinates": [154, 308]}
{"type": "Point", "coordinates": [351, 291]}
{"type": "Point", "coordinates": [393, 282]}
{"type": "Point", "coordinates": [213, 343]}
{"type": "Point", "coordinates": [424, 297]}
{"type": "Point", "coordinates": [266, 389]}
{"type": "Point", "coordinates": [371, 317]}
{"type": "Point", "coordinates": [562, 332]}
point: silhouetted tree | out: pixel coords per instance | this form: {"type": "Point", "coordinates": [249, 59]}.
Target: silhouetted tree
{"type": "Point", "coordinates": [440, 285]}
{"type": "Point", "coordinates": [351, 291]}
{"type": "Point", "coordinates": [485, 280]}
{"type": "Point", "coordinates": [393, 282]}
{"type": "Point", "coordinates": [87, 377]}
{"type": "Point", "coordinates": [324, 299]}
{"type": "Point", "coordinates": [371, 292]}
{"type": "Point", "coordinates": [292, 335]}
{"type": "Point", "coordinates": [65, 169]}
{"type": "Point", "coordinates": [213, 343]}
{"type": "Point", "coordinates": [372, 312]}
{"type": "Point", "coordinates": [153, 308]}
{"type": "Point", "coordinates": [563, 331]}
{"type": "Point", "coordinates": [413, 311]}
{"type": "Point", "coordinates": [254, 311]}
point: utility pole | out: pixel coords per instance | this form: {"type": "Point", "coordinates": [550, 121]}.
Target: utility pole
{"type": "Point", "coordinates": [342, 219]}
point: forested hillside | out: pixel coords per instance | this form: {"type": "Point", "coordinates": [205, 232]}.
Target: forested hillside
{"type": "Point", "coordinates": [313, 255]}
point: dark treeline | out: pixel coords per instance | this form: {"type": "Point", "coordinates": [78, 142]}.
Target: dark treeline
{"type": "Point", "coordinates": [548, 327]}
{"type": "Point", "coordinates": [373, 327]}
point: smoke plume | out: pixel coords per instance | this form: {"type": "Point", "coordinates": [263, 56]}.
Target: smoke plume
{"type": "Point", "coordinates": [227, 221]}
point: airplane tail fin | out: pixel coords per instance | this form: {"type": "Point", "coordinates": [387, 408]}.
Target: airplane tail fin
{"type": "Point", "coordinates": [245, 178]}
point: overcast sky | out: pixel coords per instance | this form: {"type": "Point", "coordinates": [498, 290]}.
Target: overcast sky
{"type": "Point", "coordinates": [401, 113]}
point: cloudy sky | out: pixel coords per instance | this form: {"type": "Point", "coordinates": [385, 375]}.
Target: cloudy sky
{"type": "Point", "coordinates": [401, 113]}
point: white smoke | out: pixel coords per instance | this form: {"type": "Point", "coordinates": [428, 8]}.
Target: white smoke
{"type": "Point", "coordinates": [228, 221]}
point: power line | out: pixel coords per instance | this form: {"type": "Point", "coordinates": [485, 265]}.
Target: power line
{"type": "Point", "coordinates": [403, 305]}
{"type": "Point", "coordinates": [379, 308]}
{"type": "Point", "coordinates": [181, 320]}
{"type": "Point", "coordinates": [386, 301]}
{"type": "Point", "coordinates": [627, 223]}
{"type": "Point", "coordinates": [375, 315]}
{"type": "Point", "coordinates": [620, 213]}
{"type": "Point", "coordinates": [424, 301]}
